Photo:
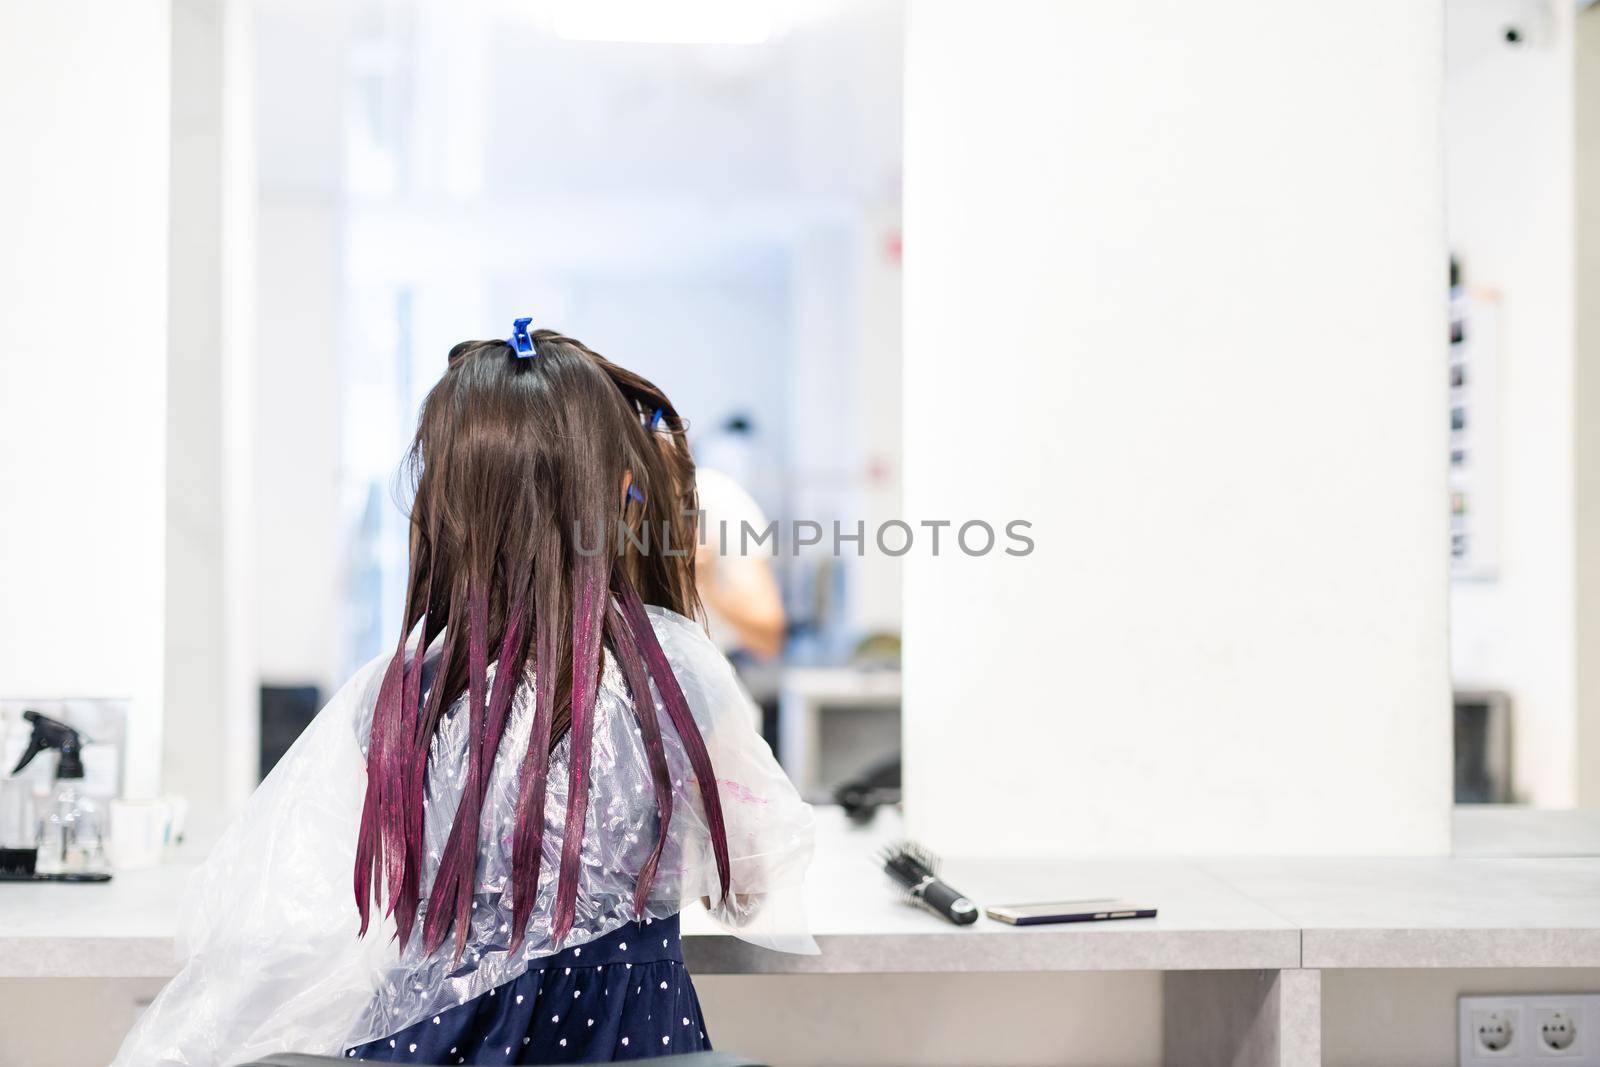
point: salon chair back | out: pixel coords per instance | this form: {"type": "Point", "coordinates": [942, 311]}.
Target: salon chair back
{"type": "Point", "coordinates": [692, 1059]}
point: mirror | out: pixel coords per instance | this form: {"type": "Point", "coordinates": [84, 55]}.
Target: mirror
{"type": "Point", "coordinates": [717, 210]}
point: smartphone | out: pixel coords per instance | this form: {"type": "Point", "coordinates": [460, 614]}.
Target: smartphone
{"type": "Point", "coordinates": [1068, 911]}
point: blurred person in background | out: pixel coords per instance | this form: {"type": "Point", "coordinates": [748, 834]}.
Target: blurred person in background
{"type": "Point", "coordinates": [743, 609]}
{"type": "Point", "coordinates": [733, 569]}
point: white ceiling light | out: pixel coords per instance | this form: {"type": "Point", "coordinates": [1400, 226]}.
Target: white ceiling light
{"type": "Point", "coordinates": [660, 22]}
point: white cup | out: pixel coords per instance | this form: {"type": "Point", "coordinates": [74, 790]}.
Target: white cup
{"type": "Point", "coordinates": [139, 830]}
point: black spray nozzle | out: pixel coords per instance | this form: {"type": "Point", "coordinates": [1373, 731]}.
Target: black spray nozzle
{"type": "Point", "coordinates": [48, 733]}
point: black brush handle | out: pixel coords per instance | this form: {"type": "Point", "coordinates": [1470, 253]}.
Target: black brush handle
{"type": "Point", "coordinates": [942, 899]}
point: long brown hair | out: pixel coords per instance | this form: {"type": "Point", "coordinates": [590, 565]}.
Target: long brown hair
{"type": "Point", "coordinates": [553, 497]}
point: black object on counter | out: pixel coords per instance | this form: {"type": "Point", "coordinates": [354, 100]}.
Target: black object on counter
{"type": "Point", "coordinates": [17, 865]}
{"type": "Point", "coordinates": [878, 786]}
{"type": "Point", "coordinates": [916, 870]}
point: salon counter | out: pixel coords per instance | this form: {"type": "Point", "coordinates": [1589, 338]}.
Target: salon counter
{"type": "Point", "coordinates": [1245, 914]}
{"type": "Point", "coordinates": [1241, 944]}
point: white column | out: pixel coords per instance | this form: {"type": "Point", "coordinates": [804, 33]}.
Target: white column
{"type": "Point", "coordinates": [1587, 377]}
{"type": "Point", "coordinates": [84, 113]}
{"type": "Point", "coordinates": [212, 707]}
{"type": "Point", "coordinates": [1175, 292]}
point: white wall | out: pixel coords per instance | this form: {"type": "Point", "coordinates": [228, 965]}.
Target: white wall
{"type": "Point", "coordinates": [1399, 1018]}
{"type": "Point", "coordinates": [84, 117]}
{"type": "Point", "coordinates": [1509, 138]}
{"type": "Point", "coordinates": [1175, 292]}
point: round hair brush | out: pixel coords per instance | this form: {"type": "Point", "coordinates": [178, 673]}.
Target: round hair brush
{"type": "Point", "coordinates": [916, 871]}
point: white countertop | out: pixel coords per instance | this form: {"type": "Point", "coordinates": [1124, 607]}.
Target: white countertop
{"type": "Point", "coordinates": [1222, 914]}
{"type": "Point", "coordinates": [118, 929]}
{"type": "Point", "coordinates": [862, 926]}
{"type": "Point", "coordinates": [1431, 912]}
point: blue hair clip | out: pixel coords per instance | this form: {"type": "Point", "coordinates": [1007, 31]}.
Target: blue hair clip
{"type": "Point", "coordinates": [634, 493]}
{"type": "Point", "coordinates": [520, 341]}
{"type": "Point", "coordinates": [655, 419]}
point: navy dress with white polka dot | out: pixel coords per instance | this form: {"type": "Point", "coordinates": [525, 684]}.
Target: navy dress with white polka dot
{"type": "Point", "coordinates": [624, 996]}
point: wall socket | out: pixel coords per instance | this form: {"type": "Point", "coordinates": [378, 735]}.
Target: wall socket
{"type": "Point", "coordinates": [1560, 1030]}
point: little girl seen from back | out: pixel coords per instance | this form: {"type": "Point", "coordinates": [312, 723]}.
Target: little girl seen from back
{"type": "Point", "coordinates": [478, 851]}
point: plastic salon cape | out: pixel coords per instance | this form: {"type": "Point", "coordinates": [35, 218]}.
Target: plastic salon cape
{"type": "Point", "coordinates": [271, 960]}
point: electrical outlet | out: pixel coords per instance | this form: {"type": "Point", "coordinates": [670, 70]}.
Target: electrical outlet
{"type": "Point", "coordinates": [1556, 1031]}
{"type": "Point", "coordinates": [1521, 1031]}
{"type": "Point", "coordinates": [1495, 1033]}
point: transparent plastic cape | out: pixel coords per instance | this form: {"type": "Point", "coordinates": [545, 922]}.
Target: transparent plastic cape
{"type": "Point", "coordinates": [271, 960]}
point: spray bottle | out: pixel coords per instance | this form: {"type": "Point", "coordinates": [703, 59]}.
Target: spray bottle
{"type": "Point", "coordinates": [71, 841]}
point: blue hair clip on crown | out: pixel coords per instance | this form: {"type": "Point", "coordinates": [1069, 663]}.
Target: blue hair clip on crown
{"type": "Point", "coordinates": [520, 341]}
